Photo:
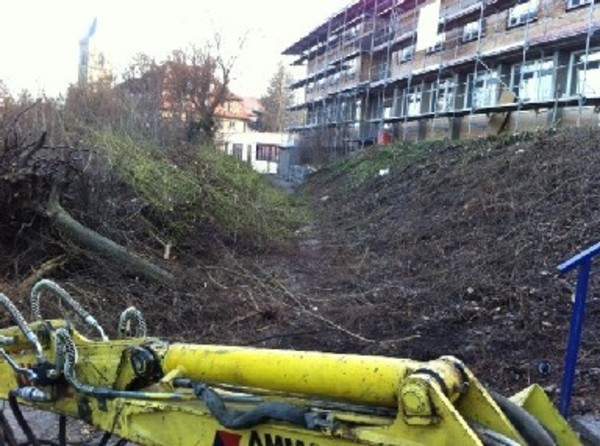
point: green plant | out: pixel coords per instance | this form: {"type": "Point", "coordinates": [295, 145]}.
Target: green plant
{"type": "Point", "coordinates": [194, 187]}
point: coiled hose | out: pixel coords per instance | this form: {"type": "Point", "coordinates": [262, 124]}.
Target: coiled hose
{"type": "Point", "coordinates": [132, 315]}
{"type": "Point", "coordinates": [22, 324]}
{"type": "Point", "coordinates": [65, 297]}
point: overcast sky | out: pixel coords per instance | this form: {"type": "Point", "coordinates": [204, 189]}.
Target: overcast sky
{"type": "Point", "coordinates": [39, 39]}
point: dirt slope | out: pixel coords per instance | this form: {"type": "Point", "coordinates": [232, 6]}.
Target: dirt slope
{"type": "Point", "coordinates": [459, 244]}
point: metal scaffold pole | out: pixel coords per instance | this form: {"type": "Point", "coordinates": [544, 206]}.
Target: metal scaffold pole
{"type": "Point", "coordinates": [469, 89]}
{"type": "Point", "coordinates": [590, 31]}
{"type": "Point", "coordinates": [410, 76]}
{"type": "Point", "coordinates": [521, 73]}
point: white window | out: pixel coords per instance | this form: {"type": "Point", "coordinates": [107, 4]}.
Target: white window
{"type": "Point", "coordinates": [534, 81]}
{"type": "Point", "coordinates": [351, 68]}
{"type": "Point", "coordinates": [358, 110]}
{"type": "Point", "coordinates": [577, 3]}
{"type": "Point", "coordinates": [412, 101]}
{"type": "Point", "coordinates": [586, 74]}
{"type": "Point", "coordinates": [442, 97]}
{"type": "Point", "coordinates": [523, 13]}
{"type": "Point", "coordinates": [483, 89]}
{"type": "Point", "coordinates": [406, 54]}
{"type": "Point", "coordinates": [388, 104]}
{"type": "Point", "coordinates": [473, 30]}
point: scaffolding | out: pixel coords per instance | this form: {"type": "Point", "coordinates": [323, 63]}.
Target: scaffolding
{"type": "Point", "coordinates": [501, 66]}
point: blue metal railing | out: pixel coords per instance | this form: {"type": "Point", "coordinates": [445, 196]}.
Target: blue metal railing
{"type": "Point", "coordinates": [583, 261]}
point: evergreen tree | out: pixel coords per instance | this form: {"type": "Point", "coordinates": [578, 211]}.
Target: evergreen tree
{"type": "Point", "coordinates": [277, 100]}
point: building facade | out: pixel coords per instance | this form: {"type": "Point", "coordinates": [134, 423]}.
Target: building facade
{"type": "Point", "coordinates": [261, 150]}
{"type": "Point", "coordinates": [383, 70]}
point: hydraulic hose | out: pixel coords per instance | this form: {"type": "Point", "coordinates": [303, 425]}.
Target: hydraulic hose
{"type": "Point", "coordinates": [234, 419]}
{"type": "Point", "coordinates": [66, 360]}
{"type": "Point", "coordinates": [65, 297]}
{"type": "Point", "coordinates": [527, 425]}
{"type": "Point", "coordinates": [132, 315]}
{"type": "Point", "coordinates": [22, 324]}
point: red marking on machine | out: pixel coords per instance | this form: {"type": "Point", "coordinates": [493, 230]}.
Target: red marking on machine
{"type": "Point", "coordinates": [226, 439]}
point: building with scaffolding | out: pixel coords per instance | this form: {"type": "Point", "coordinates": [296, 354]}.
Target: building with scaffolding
{"type": "Point", "coordinates": [422, 69]}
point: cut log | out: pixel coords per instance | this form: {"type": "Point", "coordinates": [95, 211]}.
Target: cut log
{"type": "Point", "coordinates": [89, 239]}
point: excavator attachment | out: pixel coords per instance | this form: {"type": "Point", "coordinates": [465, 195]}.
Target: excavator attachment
{"type": "Point", "coordinates": [152, 392]}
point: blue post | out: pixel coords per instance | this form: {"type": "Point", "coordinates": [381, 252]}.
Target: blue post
{"type": "Point", "coordinates": [583, 261]}
{"type": "Point", "coordinates": [575, 335]}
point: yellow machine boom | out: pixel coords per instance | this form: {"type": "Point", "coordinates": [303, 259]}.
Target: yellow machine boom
{"type": "Point", "coordinates": [153, 392]}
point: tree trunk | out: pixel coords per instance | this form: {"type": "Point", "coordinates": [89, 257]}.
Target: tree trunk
{"type": "Point", "coordinates": [93, 241]}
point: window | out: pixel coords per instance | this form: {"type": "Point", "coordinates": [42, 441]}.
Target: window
{"type": "Point", "coordinates": [267, 152]}
{"type": "Point", "coordinates": [406, 54]}
{"type": "Point", "coordinates": [443, 96]}
{"type": "Point", "coordinates": [571, 4]}
{"type": "Point", "coordinates": [374, 109]}
{"type": "Point", "coordinates": [533, 81]}
{"type": "Point", "coordinates": [352, 33]}
{"type": "Point", "coordinates": [388, 105]}
{"type": "Point", "coordinates": [351, 68]}
{"type": "Point", "coordinates": [523, 13]}
{"type": "Point", "coordinates": [380, 71]}
{"type": "Point", "coordinates": [586, 74]}
{"type": "Point", "coordinates": [382, 35]}
{"type": "Point", "coordinates": [231, 125]}
{"type": "Point", "coordinates": [473, 30]}
{"type": "Point", "coordinates": [483, 89]}
{"type": "Point", "coordinates": [238, 151]}
{"type": "Point", "coordinates": [412, 101]}
{"type": "Point", "coordinates": [334, 79]}
{"type": "Point", "coordinates": [358, 110]}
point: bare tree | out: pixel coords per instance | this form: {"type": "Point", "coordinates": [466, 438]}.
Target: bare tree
{"type": "Point", "coordinates": [182, 93]}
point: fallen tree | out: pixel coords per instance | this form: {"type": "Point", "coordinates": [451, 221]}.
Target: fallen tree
{"type": "Point", "coordinates": [89, 239]}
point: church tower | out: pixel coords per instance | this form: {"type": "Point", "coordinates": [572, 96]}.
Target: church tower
{"type": "Point", "coordinates": [93, 66]}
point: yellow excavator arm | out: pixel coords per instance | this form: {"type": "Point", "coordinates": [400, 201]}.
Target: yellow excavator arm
{"type": "Point", "coordinates": [153, 392]}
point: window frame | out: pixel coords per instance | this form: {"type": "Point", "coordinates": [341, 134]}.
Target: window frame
{"type": "Point", "coordinates": [573, 73]}
{"type": "Point", "coordinates": [530, 14]}
{"type": "Point", "coordinates": [491, 82]}
{"type": "Point", "coordinates": [406, 54]}
{"type": "Point", "coordinates": [538, 68]}
{"type": "Point", "coordinates": [443, 89]}
{"type": "Point", "coordinates": [469, 36]}
{"type": "Point", "coordinates": [267, 152]}
{"type": "Point", "coordinates": [414, 91]}
{"type": "Point", "coordinates": [582, 4]}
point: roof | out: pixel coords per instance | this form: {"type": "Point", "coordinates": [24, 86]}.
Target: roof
{"type": "Point", "coordinates": [253, 105]}
{"type": "Point", "coordinates": [337, 21]}
{"type": "Point", "coordinates": [248, 107]}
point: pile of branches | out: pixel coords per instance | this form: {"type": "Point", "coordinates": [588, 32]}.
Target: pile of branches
{"type": "Point", "coordinates": [38, 236]}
